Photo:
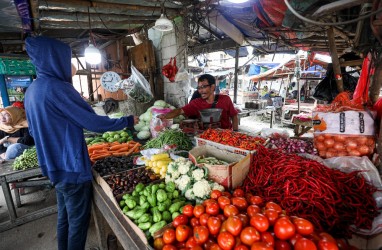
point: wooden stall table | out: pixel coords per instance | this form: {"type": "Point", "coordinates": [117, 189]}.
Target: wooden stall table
{"type": "Point", "coordinates": [19, 179]}
{"type": "Point", "coordinates": [301, 126]}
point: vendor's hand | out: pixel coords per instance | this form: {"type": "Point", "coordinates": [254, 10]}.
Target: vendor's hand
{"type": "Point", "coordinates": [136, 119]}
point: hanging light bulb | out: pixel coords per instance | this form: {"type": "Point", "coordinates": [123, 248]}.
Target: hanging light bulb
{"type": "Point", "coordinates": [92, 54]}
{"type": "Point", "coordinates": [163, 24]}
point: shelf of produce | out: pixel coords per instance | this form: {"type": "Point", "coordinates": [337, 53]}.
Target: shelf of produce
{"type": "Point", "coordinates": [123, 230]}
{"type": "Point", "coordinates": [9, 176]}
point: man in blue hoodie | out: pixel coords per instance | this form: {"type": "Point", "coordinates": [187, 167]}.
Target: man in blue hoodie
{"type": "Point", "coordinates": [57, 115]}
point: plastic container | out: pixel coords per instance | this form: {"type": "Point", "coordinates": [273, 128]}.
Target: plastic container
{"type": "Point", "coordinates": [158, 125]}
{"type": "Point", "coordinates": [210, 115]}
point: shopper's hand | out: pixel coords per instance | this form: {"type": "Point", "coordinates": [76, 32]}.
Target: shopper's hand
{"type": "Point", "coordinates": [5, 139]}
{"type": "Point", "coordinates": [161, 117]}
{"type": "Point", "coordinates": [136, 119]}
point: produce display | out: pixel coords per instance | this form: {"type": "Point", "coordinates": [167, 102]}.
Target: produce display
{"type": "Point", "coordinates": [102, 150]}
{"type": "Point", "coordinates": [125, 182]}
{"type": "Point", "coordinates": [113, 165]}
{"type": "Point", "coordinates": [231, 138]}
{"type": "Point", "coordinates": [332, 200]}
{"type": "Point", "coordinates": [152, 206]}
{"type": "Point", "coordinates": [210, 160]}
{"type": "Point", "coordinates": [28, 159]}
{"type": "Point", "coordinates": [331, 145]}
{"type": "Point", "coordinates": [158, 163]}
{"type": "Point", "coordinates": [170, 137]}
{"type": "Point", "coordinates": [242, 222]}
{"type": "Point", "coordinates": [191, 180]}
{"type": "Point", "coordinates": [112, 136]}
{"type": "Point", "coordinates": [289, 145]}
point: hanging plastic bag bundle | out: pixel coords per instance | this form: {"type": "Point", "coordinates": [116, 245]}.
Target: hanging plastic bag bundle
{"type": "Point", "coordinates": [137, 87]}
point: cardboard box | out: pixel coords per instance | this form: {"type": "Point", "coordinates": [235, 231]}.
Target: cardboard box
{"type": "Point", "coordinates": [204, 142]}
{"type": "Point", "coordinates": [230, 176]}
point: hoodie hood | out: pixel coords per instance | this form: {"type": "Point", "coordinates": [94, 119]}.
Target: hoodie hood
{"type": "Point", "coordinates": [52, 58]}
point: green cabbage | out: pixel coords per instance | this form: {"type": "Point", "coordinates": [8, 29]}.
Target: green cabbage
{"type": "Point", "coordinates": [143, 135]}
{"type": "Point", "coordinates": [160, 103]}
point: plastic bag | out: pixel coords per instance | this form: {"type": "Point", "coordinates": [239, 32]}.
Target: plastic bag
{"type": "Point", "coordinates": [361, 94]}
{"type": "Point", "coordinates": [182, 75]}
{"type": "Point", "coordinates": [169, 70]}
{"type": "Point", "coordinates": [158, 125]}
{"type": "Point", "coordinates": [370, 173]}
{"type": "Point", "coordinates": [271, 132]}
{"type": "Point", "coordinates": [137, 87]}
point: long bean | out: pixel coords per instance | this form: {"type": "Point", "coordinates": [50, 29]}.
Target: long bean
{"type": "Point", "coordinates": [171, 137]}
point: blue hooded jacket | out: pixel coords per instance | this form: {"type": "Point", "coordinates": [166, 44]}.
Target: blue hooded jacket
{"type": "Point", "coordinates": [57, 114]}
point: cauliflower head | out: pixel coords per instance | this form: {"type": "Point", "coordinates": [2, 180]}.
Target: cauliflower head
{"type": "Point", "coordinates": [172, 167]}
{"type": "Point", "coordinates": [190, 194]}
{"type": "Point", "coordinates": [184, 167]}
{"type": "Point", "coordinates": [217, 186]}
{"type": "Point", "coordinates": [198, 174]}
{"type": "Point", "coordinates": [182, 182]}
{"type": "Point", "coordinates": [201, 189]}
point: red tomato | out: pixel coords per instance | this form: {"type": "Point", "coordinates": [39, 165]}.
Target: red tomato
{"type": "Point", "coordinates": [252, 210]}
{"type": "Point", "coordinates": [201, 234]}
{"type": "Point", "coordinates": [169, 247]}
{"type": "Point", "coordinates": [260, 222]}
{"type": "Point", "coordinates": [304, 244]}
{"type": "Point", "coordinates": [272, 215]}
{"type": "Point", "coordinates": [221, 217]}
{"type": "Point", "coordinates": [226, 194]}
{"type": "Point", "coordinates": [326, 237]}
{"type": "Point", "coordinates": [212, 209]}
{"type": "Point", "coordinates": [303, 227]}
{"type": "Point", "coordinates": [244, 219]}
{"type": "Point", "coordinates": [169, 236]}
{"type": "Point", "coordinates": [256, 200]}
{"type": "Point", "coordinates": [203, 219]}
{"type": "Point", "coordinates": [180, 220]}
{"type": "Point", "coordinates": [215, 247]}
{"type": "Point", "coordinates": [194, 222]}
{"type": "Point", "coordinates": [230, 210]}
{"type": "Point", "coordinates": [226, 241]}
{"type": "Point", "coordinates": [284, 229]}
{"type": "Point", "coordinates": [215, 194]}
{"type": "Point", "coordinates": [223, 201]}
{"type": "Point", "coordinates": [182, 233]}
{"type": "Point", "coordinates": [261, 246]}
{"type": "Point", "coordinates": [240, 202]}
{"type": "Point", "coordinates": [234, 225]}
{"type": "Point", "coordinates": [198, 210]}
{"type": "Point", "coordinates": [274, 206]}
{"type": "Point", "coordinates": [188, 210]}
{"type": "Point", "coordinates": [208, 244]}
{"type": "Point", "coordinates": [296, 237]}
{"type": "Point", "coordinates": [191, 242]}
{"type": "Point", "coordinates": [326, 245]}
{"type": "Point", "coordinates": [238, 192]}
{"type": "Point", "coordinates": [268, 238]}
{"type": "Point", "coordinates": [241, 247]}
{"type": "Point", "coordinates": [214, 224]}
{"type": "Point", "coordinates": [158, 243]}
{"type": "Point", "coordinates": [209, 201]}
{"type": "Point", "coordinates": [282, 245]}
{"type": "Point", "coordinates": [223, 227]}
{"type": "Point", "coordinates": [249, 235]}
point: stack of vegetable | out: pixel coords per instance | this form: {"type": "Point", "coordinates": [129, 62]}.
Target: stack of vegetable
{"type": "Point", "coordinates": [191, 180]}
{"type": "Point", "coordinates": [231, 138]}
{"type": "Point", "coordinates": [171, 137]}
{"type": "Point", "coordinates": [102, 150]}
{"type": "Point", "coordinates": [143, 127]}
{"type": "Point", "coordinates": [332, 200]}
{"type": "Point", "coordinates": [113, 165]}
{"type": "Point", "coordinates": [28, 159]}
{"type": "Point", "coordinates": [152, 206]}
{"type": "Point", "coordinates": [293, 146]}
{"type": "Point", "coordinates": [111, 136]}
{"type": "Point", "coordinates": [158, 163]}
{"type": "Point", "coordinates": [242, 222]}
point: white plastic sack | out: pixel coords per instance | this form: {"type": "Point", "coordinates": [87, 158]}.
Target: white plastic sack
{"type": "Point", "coordinates": [137, 87]}
{"type": "Point", "coordinates": [269, 132]}
{"type": "Point", "coordinates": [182, 75]}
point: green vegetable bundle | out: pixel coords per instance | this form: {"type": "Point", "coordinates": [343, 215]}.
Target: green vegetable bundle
{"type": "Point", "coordinates": [28, 159]}
{"type": "Point", "coordinates": [153, 206]}
{"type": "Point", "coordinates": [171, 137]}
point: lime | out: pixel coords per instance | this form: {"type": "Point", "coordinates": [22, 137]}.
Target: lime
{"type": "Point", "coordinates": [105, 135]}
{"type": "Point", "coordinates": [120, 140]}
{"type": "Point", "coordinates": [110, 139]}
{"type": "Point", "coordinates": [124, 139]}
{"type": "Point", "coordinates": [124, 134]}
{"type": "Point", "coordinates": [116, 136]}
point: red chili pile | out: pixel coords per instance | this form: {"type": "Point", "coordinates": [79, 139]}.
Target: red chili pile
{"type": "Point", "coordinates": [330, 199]}
{"type": "Point", "coordinates": [231, 138]}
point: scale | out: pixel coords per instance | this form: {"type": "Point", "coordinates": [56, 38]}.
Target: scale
{"type": "Point", "coordinates": [194, 126]}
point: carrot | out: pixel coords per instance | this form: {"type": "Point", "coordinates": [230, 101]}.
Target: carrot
{"type": "Point", "coordinates": [99, 156]}
{"type": "Point", "coordinates": [100, 151]}
{"type": "Point", "coordinates": [133, 149]}
{"type": "Point", "coordinates": [124, 149]}
{"type": "Point", "coordinates": [118, 153]}
{"type": "Point", "coordinates": [117, 147]}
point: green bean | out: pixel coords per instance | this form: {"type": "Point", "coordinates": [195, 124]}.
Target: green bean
{"type": "Point", "coordinates": [171, 137]}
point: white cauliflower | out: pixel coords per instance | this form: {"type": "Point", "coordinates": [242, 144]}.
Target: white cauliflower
{"type": "Point", "coordinates": [217, 186]}
{"type": "Point", "coordinates": [168, 178]}
{"type": "Point", "coordinates": [198, 174]}
{"type": "Point", "coordinates": [184, 167]}
{"type": "Point", "coordinates": [190, 194]}
{"type": "Point", "coordinates": [172, 167]}
{"type": "Point", "coordinates": [201, 188]}
{"type": "Point", "coordinates": [175, 175]}
{"type": "Point", "coordinates": [182, 182]}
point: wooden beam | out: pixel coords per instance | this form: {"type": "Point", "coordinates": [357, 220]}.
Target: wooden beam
{"type": "Point", "coordinates": [94, 25]}
{"type": "Point", "coordinates": [212, 47]}
{"type": "Point", "coordinates": [94, 17]}
{"type": "Point", "coordinates": [336, 6]}
{"type": "Point", "coordinates": [220, 22]}
{"type": "Point", "coordinates": [352, 63]}
{"type": "Point", "coordinates": [335, 60]}
{"type": "Point", "coordinates": [35, 14]}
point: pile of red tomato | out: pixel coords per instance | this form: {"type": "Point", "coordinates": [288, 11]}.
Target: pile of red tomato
{"type": "Point", "coordinates": [331, 145]}
{"type": "Point", "coordinates": [242, 222]}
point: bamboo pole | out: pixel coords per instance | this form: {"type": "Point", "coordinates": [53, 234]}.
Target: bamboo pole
{"type": "Point", "coordinates": [335, 61]}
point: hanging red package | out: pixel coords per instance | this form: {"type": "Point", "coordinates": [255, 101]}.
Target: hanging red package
{"type": "Point", "coordinates": [361, 91]}
{"type": "Point", "coordinates": [174, 71]}
{"type": "Point", "coordinates": [169, 70]}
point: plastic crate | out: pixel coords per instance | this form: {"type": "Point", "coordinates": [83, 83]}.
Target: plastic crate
{"type": "Point", "coordinates": [202, 142]}
{"type": "Point", "coordinates": [15, 66]}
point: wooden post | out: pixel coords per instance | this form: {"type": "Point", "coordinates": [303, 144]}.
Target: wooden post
{"type": "Point", "coordinates": [90, 82]}
{"type": "Point", "coordinates": [236, 74]}
{"type": "Point", "coordinates": [335, 61]}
